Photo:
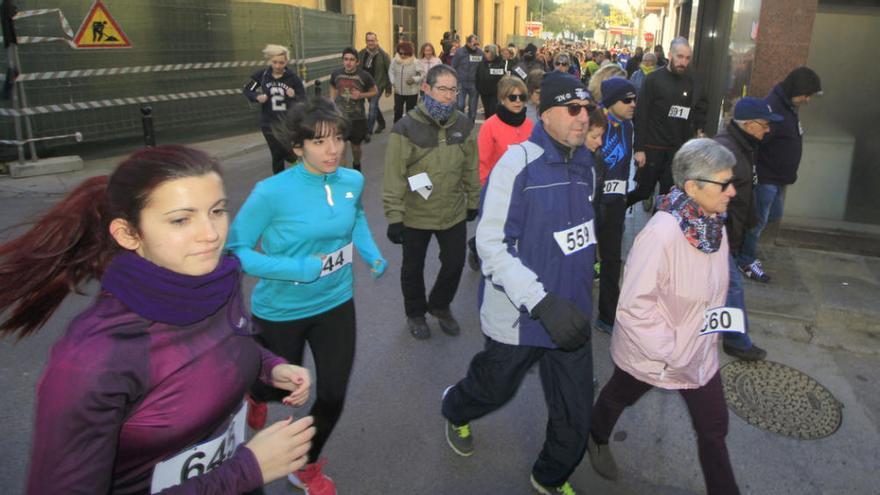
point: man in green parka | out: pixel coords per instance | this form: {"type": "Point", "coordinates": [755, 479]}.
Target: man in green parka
{"type": "Point", "coordinates": [432, 188]}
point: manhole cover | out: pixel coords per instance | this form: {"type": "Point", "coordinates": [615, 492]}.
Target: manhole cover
{"type": "Point", "coordinates": [780, 399]}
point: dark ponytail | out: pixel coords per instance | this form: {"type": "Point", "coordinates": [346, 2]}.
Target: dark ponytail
{"type": "Point", "coordinates": [72, 243]}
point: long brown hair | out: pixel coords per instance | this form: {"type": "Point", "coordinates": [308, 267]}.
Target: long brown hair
{"type": "Point", "coordinates": [71, 243]}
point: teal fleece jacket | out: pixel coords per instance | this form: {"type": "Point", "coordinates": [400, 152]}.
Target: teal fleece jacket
{"type": "Point", "coordinates": [299, 218]}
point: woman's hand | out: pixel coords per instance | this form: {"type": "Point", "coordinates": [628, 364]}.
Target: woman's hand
{"type": "Point", "coordinates": [262, 98]}
{"type": "Point", "coordinates": [296, 379]}
{"type": "Point", "coordinates": [283, 447]}
{"type": "Point", "coordinates": [378, 268]}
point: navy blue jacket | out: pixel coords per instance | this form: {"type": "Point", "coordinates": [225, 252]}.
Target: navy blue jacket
{"type": "Point", "coordinates": [536, 207]}
{"type": "Point", "coordinates": [780, 152]}
{"type": "Point", "coordinates": [276, 106]}
{"type": "Point", "coordinates": [617, 149]}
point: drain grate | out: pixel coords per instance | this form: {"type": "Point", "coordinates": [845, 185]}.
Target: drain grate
{"type": "Point", "coordinates": [777, 398]}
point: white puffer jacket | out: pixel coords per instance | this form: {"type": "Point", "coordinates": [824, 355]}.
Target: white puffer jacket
{"type": "Point", "coordinates": [406, 75]}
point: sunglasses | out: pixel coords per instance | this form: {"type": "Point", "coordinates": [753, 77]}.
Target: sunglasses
{"type": "Point", "coordinates": [627, 101]}
{"type": "Point", "coordinates": [575, 110]}
{"type": "Point", "coordinates": [561, 64]}
{"type": "Point", "coordinates": [724, 185]}
{"type": "Point", "coordinates": [513, 98]}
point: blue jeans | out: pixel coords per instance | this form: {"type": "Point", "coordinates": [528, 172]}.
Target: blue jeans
{"type": "Point", "coordinates": [769, 202]}
{"type": "Point", "coordinates": [736, 298]}
{"type": "Point", "coordinates": [469, 91]}
{"type": "Point", "coordinates": [373, 112]}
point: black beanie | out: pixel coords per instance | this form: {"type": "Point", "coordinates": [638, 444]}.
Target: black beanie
{"type": "Point", "coordinates": [615, 89]}
{"type": "Point", "coordinates": [802, 81]}
{"type": "Point", "coordinates": [558, 88]}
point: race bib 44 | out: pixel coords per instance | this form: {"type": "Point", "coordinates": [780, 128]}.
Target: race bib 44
{"type": "Point", "coordinates": [331, 263]}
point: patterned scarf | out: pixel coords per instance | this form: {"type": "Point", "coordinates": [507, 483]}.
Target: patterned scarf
{"type": "Point", "coordinates": [437, 110]}
{"type": "Point", "coordinates": [704, 233]}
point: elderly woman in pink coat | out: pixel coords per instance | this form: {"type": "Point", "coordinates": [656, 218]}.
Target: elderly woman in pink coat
{"type": "Point", "coordinates": [671, 309]}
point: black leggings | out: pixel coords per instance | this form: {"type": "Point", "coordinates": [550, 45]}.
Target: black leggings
{"type": "Point", "coordinates": [331, 337]}
{"type": "Point", "coordinates": [709, 418]}
{"type": "Point", "coordinates": [400, 101]}
{"type": "Point", "coordinates": [278, 151]}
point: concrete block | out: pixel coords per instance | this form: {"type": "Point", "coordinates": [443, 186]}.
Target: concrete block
{"type": "Point", "coordinates": [46, 166]}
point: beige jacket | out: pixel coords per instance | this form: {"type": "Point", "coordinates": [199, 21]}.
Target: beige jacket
{"type": "Point", "coordinates": [667, 287]}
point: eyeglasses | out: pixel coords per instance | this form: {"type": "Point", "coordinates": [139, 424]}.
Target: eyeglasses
{"type": "Point", "coordinates": [513, 98]}
{"type": "Point", "coordinates": [724, 185]}
{"type": "Point", "coordinates": [575, 110]}
{"type": "Point", "coordinates": [444, 89]}
{"type": "Point", "coordinates": [627, 101]}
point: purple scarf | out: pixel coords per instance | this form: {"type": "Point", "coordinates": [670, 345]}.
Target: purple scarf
{"type": "Point", "coordinates": [160, 295]}
{"type": "Point", "coordinates": [704, 233]}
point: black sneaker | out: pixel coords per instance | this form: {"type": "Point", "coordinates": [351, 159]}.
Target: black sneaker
{"type": "Point", "coordinates": [447, 321]}
{"type": "Point", "coordinates": [379, 129]}
{"type": "Point", "coordinates": [753, 353]}
{"type": "Point", "coordinates": [755, 271]}
{"type": "Point", "coordinates": [418, 327]}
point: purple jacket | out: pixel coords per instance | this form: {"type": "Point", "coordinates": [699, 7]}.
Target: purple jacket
{"type": "Point", "coordinates": [121, 394]}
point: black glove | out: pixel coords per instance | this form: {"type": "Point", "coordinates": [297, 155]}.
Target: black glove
{"type": "Point", "coordinates": [566, 324]}
{"type": "Point", "coordinates": [395, 232]}
{"type": "Point", "coordinates": [471, 215]}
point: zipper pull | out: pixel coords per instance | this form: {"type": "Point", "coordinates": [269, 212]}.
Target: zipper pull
{"type": "Point", "coordinates": [329, 194]}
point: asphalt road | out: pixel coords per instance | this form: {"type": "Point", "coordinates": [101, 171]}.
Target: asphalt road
{"type": "Point", "coordinates": [390, 438]}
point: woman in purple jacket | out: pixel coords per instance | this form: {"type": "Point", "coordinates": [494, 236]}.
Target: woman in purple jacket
{"type": "Point", "coordinates": [144, 392]}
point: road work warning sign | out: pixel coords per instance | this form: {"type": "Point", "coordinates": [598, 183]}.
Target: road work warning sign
{"type": "Point", "coordinates": [100, 30]}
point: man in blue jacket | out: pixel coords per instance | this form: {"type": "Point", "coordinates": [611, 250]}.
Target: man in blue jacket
{"type": "Point", "coordinates": [778, 159]}
{"type": "Point", "coordinates": [465, 62]}
{"type": "Point", "coordinates": [536, 238]}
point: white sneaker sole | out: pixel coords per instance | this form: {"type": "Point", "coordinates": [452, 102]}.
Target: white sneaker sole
{"type": "Point", "coordinates": [537, 486]}
{"type": "Point", "coordinates": [295, 481]}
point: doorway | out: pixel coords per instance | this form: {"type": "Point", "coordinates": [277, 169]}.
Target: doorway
{"type": "Point", "coordinates": [404, 18]}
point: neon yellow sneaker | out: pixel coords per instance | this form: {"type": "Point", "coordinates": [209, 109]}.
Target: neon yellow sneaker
{"type": "Point", "coordinates": [565, 489]}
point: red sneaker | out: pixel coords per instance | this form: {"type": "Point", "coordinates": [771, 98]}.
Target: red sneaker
{"type": "Point", "coordinates": [257, 412]}
{"type": "Point", "coordinates": [312, 480]}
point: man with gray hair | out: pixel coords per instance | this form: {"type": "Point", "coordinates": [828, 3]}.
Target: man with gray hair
{"type": "Point", "coordinates": [672, 109]}
{"type": "Point", "coordinates": [649, 63]}
{"type": "Point", "coordinates": [742, 136]}
{"type": "Point", "coordinates": [431, 188]}
{"type": "Point", "coordinates": [466, 61]}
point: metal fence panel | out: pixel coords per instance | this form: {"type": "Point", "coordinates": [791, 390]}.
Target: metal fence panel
{"type": "Point", "coordinates": [166, 35]}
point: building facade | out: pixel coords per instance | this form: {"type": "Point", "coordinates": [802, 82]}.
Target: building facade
{"type": "Point", "coordinates": [421, 21]}
{"type": "Point", "coordinates": [745, 47]}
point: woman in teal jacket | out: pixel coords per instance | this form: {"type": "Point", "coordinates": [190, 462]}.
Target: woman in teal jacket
{"type": "Point", "coordinates": [307, 220]}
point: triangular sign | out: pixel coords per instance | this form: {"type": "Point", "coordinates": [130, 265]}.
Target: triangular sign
{"type": "Point", "coordinates": [100, 30]}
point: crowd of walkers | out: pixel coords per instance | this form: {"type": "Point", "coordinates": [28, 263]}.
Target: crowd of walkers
{"type": "Point", "coordinates": [151, 388]}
